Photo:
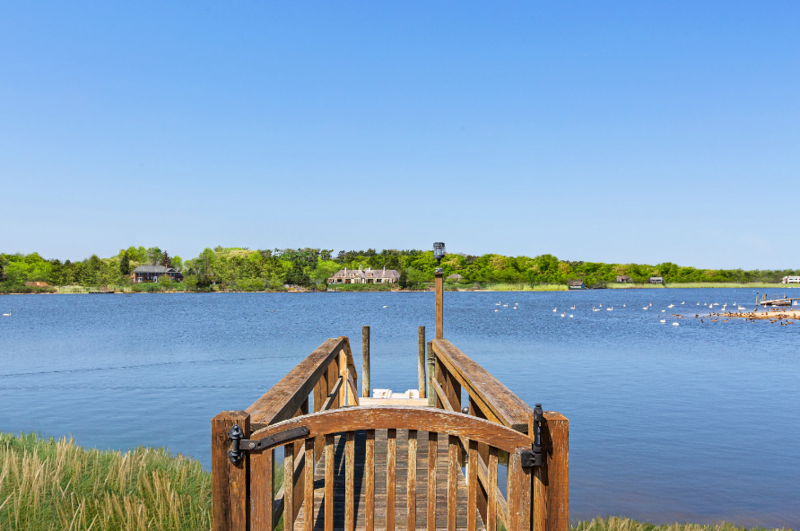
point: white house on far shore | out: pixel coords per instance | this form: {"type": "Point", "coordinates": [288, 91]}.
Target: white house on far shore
{"type": "Point", "coordinates": [365, 276]}
{"type": "Point", "coordinates": [790, 280]}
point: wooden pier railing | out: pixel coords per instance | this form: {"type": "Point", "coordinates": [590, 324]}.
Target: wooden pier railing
{"type": "Point", "coordinates": [489, 399]}
{"type": "Point", "coordinates": [350, 466]}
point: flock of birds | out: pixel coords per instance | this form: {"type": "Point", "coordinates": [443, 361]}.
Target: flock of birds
{"type": "Point", "coordinates": [721, 312]}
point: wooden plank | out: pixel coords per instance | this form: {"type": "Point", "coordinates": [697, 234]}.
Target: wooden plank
{"type": "Point", "coordinates": [403, 418]}
{"type": "Point", "coordinates": [300, 464]}
{"type": "Point", "coordinates": [441, 377]}
{"type": "Point", "coordinates": [309, 485]}
{"type": "Point", "coordinates": [365, 371]}
{"type": "Point", "coordinates": [229, 483]}
{"type": "Point", "coordinates": [350, 470]}
{"type": "Point", "coordinates": [343, 374]}
{"type": "Point", "coordinates": [502, 508]}
{"type": "Point", "coordinates": [333, 376]}
{"type": "Point", "coordinates": [329, 485]}
{"type": "Point", "coordinates": [519, 494]}
{"type": "Point", "coordinates": [411, 482]}
{"type": "Point", "coordinates": [261, 490]}
{"type": "Point", "coordinates": [495, 399]}
{"type": "Point", "coordinates": [555, 446]}
{"type": "Point", "coordinates": [441, 395]}
{"type": "Point", "coordinates": [453, 469]}
{"type": "Point", "coordinates": [472, 485]}
{"type": "Point", "coordinates": [333, 397]}
{"type": "Point", "coordinates": [431, 375]}
{"type": "Point", "coordinates": [380, 485]}
{"type": "Point", "coordinates": [353, 390]}
{"type": "Point", "coordinates": [433, 452]}
{"type": "Point", "coordinates": [418, 402]}
{"type": "Point", "coordinates": [369, 481]}
{"type": "Point", "coordinates": [289, 513]}
{"type": "Point", "coordinates": [483, 454]}
{"type": "Point", "coordinates": [285, 397]}
{"type": "Point", "coordinates": [421, 361]}
{"type": "Point", "coordinates": [391, 444]}
{"type": "Point", "coordinates": [491, 506]}
{"type": "Point", "coordinates": [320, 396]}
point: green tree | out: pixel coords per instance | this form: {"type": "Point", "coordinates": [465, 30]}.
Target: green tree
{"type": "Point", "coordinates": [153, 255]}
{"type": "Point", "coordinates": [125, 265]}
{"type": "Point", "coordinates": [165, 260]}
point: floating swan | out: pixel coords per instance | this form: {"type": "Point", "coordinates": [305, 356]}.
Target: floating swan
{"type": "Point", "coordinates": [570, 315]}
{"type": "Point", "coordinates": [674, 324]}
{"type": "Point", "coordinates": [663, 320]}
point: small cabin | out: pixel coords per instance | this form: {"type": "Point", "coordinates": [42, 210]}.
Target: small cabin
{"type": "Point", "coordinates": [151, 273]}
{"type": "Point", "coordinates": [575, 284]}
{"type": "Point", "coordinates": [455, 277]}
{"type": "Point", "coordinates": [624, 279]}
{"type": "Point", "coordinates": [655, 280]}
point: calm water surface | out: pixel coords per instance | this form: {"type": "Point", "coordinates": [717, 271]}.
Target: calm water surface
{"type": "Point", "coordinates": [697, 422]}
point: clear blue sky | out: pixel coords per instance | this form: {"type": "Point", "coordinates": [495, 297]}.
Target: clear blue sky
{"type": "Point", "coordinates": [608, 131]}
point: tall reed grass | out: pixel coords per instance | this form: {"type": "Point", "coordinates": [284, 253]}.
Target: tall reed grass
{"type": "Point", "coordinates": [47, 484]}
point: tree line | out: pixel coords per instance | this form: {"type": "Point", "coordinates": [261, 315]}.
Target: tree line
{"type": "Point", "coordinates": [240, 268]}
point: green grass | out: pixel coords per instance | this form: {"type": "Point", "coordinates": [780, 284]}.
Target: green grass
{"type": "Point", "coordinates": [626, 524]}
{"type": "Point", "coordinates": [55, 485]}
{"type": "Point", "coordinates": [673, 285]}
{"type": "Point", "coordinates": [361, 287]}
{"type": "Point", "coordinates": [523, 287]}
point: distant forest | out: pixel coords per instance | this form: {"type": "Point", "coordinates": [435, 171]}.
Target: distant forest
{"type": "Point", "coordinates": [239, 268]}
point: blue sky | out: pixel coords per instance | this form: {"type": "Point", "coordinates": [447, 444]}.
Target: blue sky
{"type": "Point", "coordinates": [606, 131]}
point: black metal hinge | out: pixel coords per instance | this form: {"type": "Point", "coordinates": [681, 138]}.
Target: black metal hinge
{"type": "Point", "coordinates": [239, 445]}
{"type": "Point", "coordinates": [533, 457]}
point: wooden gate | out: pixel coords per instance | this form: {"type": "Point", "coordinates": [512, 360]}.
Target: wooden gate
{"type": "Point", "coordinates": [351, 466]}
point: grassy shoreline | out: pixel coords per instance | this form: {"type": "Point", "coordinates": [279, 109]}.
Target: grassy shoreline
{"type": "Point", "coordinates": [384, 288]}
{"type": "Point", "coordinates": [49, 485]}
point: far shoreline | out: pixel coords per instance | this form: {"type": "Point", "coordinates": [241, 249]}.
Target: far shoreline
{"type": "Point", "coordinates": [127, 290]}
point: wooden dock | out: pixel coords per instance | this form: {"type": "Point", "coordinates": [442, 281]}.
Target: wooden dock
{"type": "Point", "coordinates": [382, 479]}
{"type": "Point", "coordinates": [359, 463]}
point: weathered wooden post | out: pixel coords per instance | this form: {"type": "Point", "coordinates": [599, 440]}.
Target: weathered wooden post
{"type": "Point", "coordinates": [439, 304]}
{"type": "Point", "coordinates": [438, 254]}
{"type": "Point", "coordinates": [365, 383]}
{"type": "Point", "coordinates": [421, 364]}
{"type": "Point", "coordinates": [230, 483]}
{"type": "Point", "coordinates": [431, 375]}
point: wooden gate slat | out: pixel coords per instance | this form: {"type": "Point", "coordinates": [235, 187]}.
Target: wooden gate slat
{"type": "Point", "coordinates": [453, 469]}
{"type": "Point", "coordinates": [391, 443]}
{"type": "Point", "coordinates": [411, 483]}
{"type": "Point", "coordinates": [369, 481]}
{"type": "Point", "coordinates": [491, 506]}
{"type": "Point", "coordinates": [261, 490]}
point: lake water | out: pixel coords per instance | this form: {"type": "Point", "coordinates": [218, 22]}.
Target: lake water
{"type": "Point", "coordinates": [697, 422]}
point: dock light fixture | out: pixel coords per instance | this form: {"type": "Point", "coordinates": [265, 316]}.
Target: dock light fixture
{"type": "Point", "coordinates": [438, 252]}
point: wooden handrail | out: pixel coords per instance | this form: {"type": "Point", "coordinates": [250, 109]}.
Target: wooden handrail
{"type": "Point", "coordinates": [402, 418]}
{"type": "Point", "coordinates": [495, 400]}
{"type": "Point", "coordinates": [284, 398]}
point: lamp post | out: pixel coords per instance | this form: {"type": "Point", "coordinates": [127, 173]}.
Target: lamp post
{"type": "Point", "coordinates": [438, 254]}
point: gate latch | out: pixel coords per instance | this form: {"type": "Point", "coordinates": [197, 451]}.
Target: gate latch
{"type": "Point", "coordinates": [239, 445]}
{"type": "Point", "coordinates": [531, 458]}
